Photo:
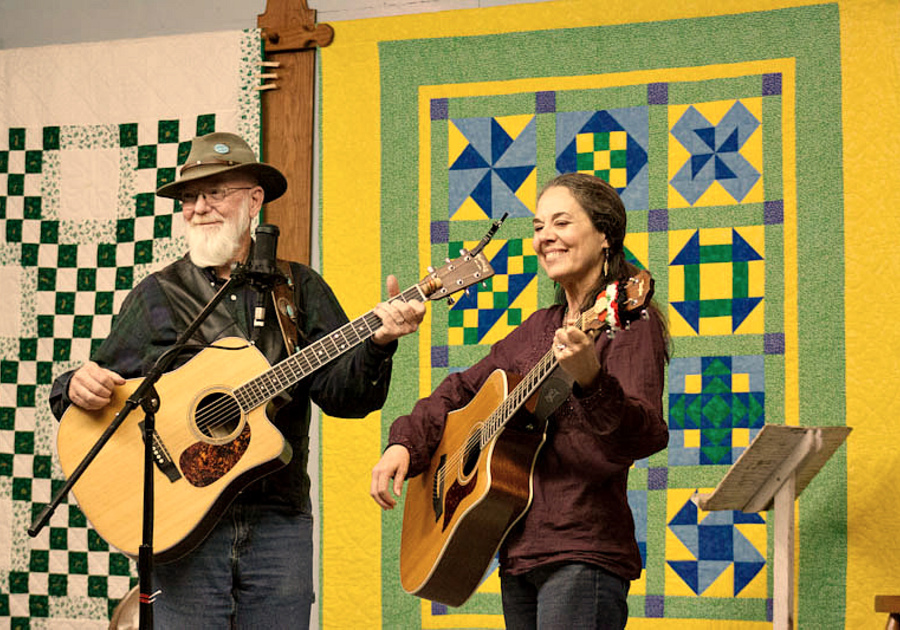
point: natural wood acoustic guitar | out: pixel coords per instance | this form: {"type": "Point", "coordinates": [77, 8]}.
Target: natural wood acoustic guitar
{"type": "Point", "coordinates": [478, 485]}
{"type": "Point", "coordinates": [213, 434]}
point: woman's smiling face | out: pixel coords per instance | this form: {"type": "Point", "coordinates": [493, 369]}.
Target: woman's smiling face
{"type": "Point", "coordinates": [569, 247]}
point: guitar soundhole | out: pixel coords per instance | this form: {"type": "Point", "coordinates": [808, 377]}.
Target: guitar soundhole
{"type": "Point", "coordinates": [470, 459]}
{"type": "Point", "coordinates": [218, 416]}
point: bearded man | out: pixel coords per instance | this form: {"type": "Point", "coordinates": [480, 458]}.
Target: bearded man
{"type": "Point", "coordinates": [254, 568]}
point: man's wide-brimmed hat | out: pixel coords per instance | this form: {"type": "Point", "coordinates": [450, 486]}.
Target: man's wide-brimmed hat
{"type": "Point", "coordinates": [217, 153]}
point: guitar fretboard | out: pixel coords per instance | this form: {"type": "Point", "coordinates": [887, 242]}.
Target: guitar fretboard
{"type": "Point", "coordinates": [304, 362]}
{"type": "Point", "coordinates": [637, 292]}
{"type": "Point", "coordinates": [521, 393]}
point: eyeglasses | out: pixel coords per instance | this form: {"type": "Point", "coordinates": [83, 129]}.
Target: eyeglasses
{"type": "Point", "coordinates": [189, 198]}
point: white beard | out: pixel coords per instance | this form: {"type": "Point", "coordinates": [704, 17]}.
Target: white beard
{"type": "Point", "coordinates": [217, 246]}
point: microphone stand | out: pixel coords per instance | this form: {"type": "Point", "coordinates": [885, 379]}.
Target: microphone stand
{"type": "Point", "coordinates": [146, 397]}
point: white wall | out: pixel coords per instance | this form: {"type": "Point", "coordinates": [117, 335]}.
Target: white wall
{"type": "Point", "coordinates": [26, 23]}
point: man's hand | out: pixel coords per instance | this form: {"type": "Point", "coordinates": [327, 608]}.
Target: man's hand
{"type": "Point", "coordinates": [92, 386]}
{"type": "Point", "coordinates": [394, 464]}
{"type": "Point", "coordinates": [398, 318]}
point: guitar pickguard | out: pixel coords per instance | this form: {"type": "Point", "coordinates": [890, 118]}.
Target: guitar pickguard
{"type": "Point", "coordinates": [203, 464]}
{"type": "Point", "coordinates": [455, 494]}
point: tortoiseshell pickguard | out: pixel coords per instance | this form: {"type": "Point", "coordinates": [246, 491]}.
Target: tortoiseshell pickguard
{"type": "Point", "coordinates": [203, 464]}
{"type": "Point", "coordinates": [455, 494]}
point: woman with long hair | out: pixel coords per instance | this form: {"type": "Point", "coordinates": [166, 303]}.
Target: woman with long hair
{"type": "Point", "coordinates": [569, 560]}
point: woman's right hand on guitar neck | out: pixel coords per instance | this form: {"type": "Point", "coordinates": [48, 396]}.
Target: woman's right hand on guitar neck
{"type": "Point", "coordinates": [92, 386]}
{"type": "Point", "coordinates": [394, 464]}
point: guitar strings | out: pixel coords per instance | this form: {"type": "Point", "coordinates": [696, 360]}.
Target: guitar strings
{"type": "Point", "coordinates": [508, 407]}
{"type": "Point", "coordinates": [220, 412]}
{"type": "Point", "coordinates": [543, 366]}
{"type": "Point", "coordinates": [537, 373]}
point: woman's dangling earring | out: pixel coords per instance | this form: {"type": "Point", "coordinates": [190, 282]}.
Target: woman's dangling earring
{"type": "Point", "coordinates": [605, 263]}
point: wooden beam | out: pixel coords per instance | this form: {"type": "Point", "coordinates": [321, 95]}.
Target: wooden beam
{"type": "Point", "coordinates": [290, 37]}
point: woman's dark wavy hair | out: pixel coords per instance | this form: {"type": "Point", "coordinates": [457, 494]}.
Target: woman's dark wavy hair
{"type": "Point", "coordinates": [606, 211]}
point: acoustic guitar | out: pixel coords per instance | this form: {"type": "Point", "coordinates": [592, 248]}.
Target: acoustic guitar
{"type": "Point", "coordinates": [213, 435]}
{"type": "Point", "coordinates": [479, 482]}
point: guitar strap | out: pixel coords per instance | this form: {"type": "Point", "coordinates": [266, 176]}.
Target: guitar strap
{"type": "Point", "coordinates": [285, 309]}
{"type": "Point", "coordinates": [555, 389]}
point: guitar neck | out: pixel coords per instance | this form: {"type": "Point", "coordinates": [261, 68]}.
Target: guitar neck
{"type": "Point", "coordinates": [521, 393]}
{"type": "Point", "coordinates": [307, 360]}
{"type": "Point", "coordinates": [517, 397]}
{"type": "Point", "coordinates": [525, 389]}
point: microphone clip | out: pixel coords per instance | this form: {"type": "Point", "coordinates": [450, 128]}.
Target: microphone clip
{"type": "Point", "coordinates": [261, 281]}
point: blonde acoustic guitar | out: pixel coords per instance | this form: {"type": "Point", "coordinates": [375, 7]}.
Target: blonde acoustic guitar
{"type": "Point", "coordinates": [213, 435]}
{"type": "Point", "coordinates": [478, 485]}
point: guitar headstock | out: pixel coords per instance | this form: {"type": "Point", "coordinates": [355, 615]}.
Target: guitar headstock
{"type": "Point", "coordinates": [456, 275]}
{"type": "Point", "coordinates": [620, 303]}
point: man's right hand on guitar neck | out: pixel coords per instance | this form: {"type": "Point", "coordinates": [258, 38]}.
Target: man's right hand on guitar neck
{"type": "Point", "coordinates": [394, 464]}
{"type": "Point", "coordinates": [92, 386]}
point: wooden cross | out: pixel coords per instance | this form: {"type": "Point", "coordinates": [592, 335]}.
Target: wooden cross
{"type": "Point", "coordinates": [290, 37]}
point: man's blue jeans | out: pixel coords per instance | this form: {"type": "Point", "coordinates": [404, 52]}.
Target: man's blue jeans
{"type": "Point", "coordinates": [254, 570]}
{"type": "Point", "coordinates": [565, 596]}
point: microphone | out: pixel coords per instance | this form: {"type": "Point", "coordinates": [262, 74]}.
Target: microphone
{"type": "Point", "coordinates": [263, 272]}
{"type": "Point", "coordinates": [263, 263]}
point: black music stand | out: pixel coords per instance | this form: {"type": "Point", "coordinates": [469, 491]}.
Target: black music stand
{"type": "Point", "coordinates": [772, 472]}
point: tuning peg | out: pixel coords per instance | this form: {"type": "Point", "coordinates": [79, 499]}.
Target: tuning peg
{"type": "Point", "coordinates": [451, 301]}
{"type": "Point", "coordinates": [429, 269]}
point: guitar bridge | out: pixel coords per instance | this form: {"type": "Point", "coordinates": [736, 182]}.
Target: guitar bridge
{"type": "Point", "coordinates": [161, 456]}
